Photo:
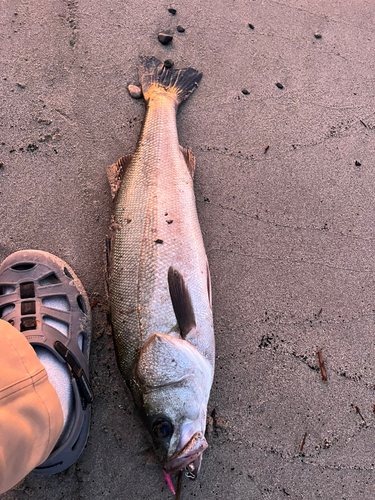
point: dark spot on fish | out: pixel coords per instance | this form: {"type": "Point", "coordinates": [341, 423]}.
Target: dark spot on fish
{"type": "Point", "coordinates": [318, 36]}
{"type": "Point", "coordinates": [164, 38]}
{"type": "Point", "coordinates": [168, 63]}
{"type": "Point", "coordinates": [172, 11]}
{"type": "Point", "coordinates": [279, 85]}
{"type": "Point", "coordinates": [245, 92]}
{"type": "Point", "coordinates": [169, 221]}
{"type": "Point", "coordinates": [251, 26]}
{"type": "Point", "coordinates": [128, 221]}
{"type": "Point", "coordinates": [166, 213]}
{"type": "Point", "coordinates": [357, 164]}
{"type": "Point", "coordinates": [159, 242]}
{"type": "Point", "coordinates": [180, 29]}
{"type": "Point", "coordinates": [31, 148]}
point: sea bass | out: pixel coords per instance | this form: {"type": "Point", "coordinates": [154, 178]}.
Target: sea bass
{"type": "Point", "coordinates": [159, 280]}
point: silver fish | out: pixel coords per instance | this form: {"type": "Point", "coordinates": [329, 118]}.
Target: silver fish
{"type": "Point", "coordinates": [159, 280]}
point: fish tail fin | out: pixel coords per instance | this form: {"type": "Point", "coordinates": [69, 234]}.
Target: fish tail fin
{"type": "Point", "coordinates": [153, 76]}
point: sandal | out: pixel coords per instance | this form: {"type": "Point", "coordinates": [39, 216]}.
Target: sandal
{"type": "Point", "coordinates": [33, 285]}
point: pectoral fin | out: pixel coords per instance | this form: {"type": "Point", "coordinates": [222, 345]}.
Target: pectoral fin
{"type": "Point", "coordinates": [181, 301]}
{"type": "Point", "coordinates": [116, 172]}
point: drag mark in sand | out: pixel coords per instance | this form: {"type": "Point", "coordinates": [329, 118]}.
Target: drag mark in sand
{"type": "Point", "coordinates": [290, 261]}
{"type": "Point", "coordinates": [274, 223]}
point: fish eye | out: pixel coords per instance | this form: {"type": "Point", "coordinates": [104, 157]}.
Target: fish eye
{"type": "Point", "coordinates": [162, 428]}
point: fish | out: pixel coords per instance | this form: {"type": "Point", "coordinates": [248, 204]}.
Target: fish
{"type": "Point", "coordinates": [159, 279]}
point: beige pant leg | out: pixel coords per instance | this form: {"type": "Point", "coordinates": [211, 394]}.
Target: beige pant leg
{"type": "Point", "coordinates": [31, 417]}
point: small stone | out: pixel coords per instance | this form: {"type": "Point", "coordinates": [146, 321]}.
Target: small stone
{"type": "Point", "coordinates": [2, 166]}
{"type": "Point", "coordinates": [31, 148]}
{"type": "Point", "coordinates": [172, 11]}
{"type": "Point", "coordinates": [180, 29]}
{"type": "Point", "coordinates": [318, 36]}
{"type": "Point", "coordinates": [357, 164]}
{"type": "Point", "coordinates": [279, 85]}
{"type": "Point", "coordinates": [20, 85]}
{"type": "Point", "coordinates": [245, 92]}
{"type": "Point", "coordinates": [251, 26]}
{"type": "Point", "coordinates": [168, 63]}
{"type": "Point", "coordinates": [134, 91]}
{"type": "Point", "coordinates": [164, 38]}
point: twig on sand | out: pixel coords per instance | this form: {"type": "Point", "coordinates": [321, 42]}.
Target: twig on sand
{"type": "Point", "coordinates": [303, 443]}
{"type": "Point", "coordinates": [322, 367]}
{"type": "Point", "coordinates": [357, 410]}
{"type": "Point", "coordinates": [180, 475]}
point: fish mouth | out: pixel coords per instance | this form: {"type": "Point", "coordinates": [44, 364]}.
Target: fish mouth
{"type": "Point", "coordinates": [189, 457]}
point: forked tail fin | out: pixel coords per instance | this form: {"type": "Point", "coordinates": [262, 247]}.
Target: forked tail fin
{"type": "Point", "coordinates": [180, 82]}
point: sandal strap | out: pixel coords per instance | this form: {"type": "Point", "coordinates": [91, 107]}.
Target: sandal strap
{"type": "Point", "coordinates": [76, 370]}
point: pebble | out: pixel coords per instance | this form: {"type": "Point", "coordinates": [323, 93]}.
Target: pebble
{"type": "Point", "coordinates": [180, 29]}
{"type": "Point", "coordinates": [357, 164]}
{"type": "Point", "coordinates": [279, 85]}
{"type": "Point", "coordinates": [172, 11]}
{"type": "Point", "coordinates": [134, 91]}
{"type": "Point", "coordinates": [245, 92]}
{"type": "Point", "coordinates": [251, 26]}
{"type": "Point", "coordinates": [318, 36]}
{"type": "Point", "coordinates": [164, 38]}
{"type": "Point", "coordinates": [168, 63]}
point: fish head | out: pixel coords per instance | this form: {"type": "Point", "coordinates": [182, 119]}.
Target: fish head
{"type": "Point", "coordinates": [174, 379]}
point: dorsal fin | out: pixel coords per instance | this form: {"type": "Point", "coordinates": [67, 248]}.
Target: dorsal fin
{"type": "Point", "coordinates": [181, 301]}
{"type": "Point", "coordinates": [189, 159]}
{"type": "Point", "coordinates": [115, 173]}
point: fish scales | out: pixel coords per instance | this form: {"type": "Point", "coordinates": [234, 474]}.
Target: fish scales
{"type": "Point", "coordinates": [157, 187]}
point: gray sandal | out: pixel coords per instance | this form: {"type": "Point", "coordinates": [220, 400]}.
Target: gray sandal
{"type": "Point", "coordinates": [30, 282]}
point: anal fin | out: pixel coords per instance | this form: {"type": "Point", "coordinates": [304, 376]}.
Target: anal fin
{"type": "Point", "coordinates": [189, 159]}
{"type": "Point", "coordinates": [116, 172]}
{"type": "Point", "coordinates": [181, 301]}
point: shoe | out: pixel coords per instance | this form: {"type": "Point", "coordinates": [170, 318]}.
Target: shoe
{"type": "Point", "coordinates": [41, 296]}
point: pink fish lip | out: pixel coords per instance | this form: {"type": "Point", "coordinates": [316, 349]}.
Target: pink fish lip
{"type": "Point", "coordinates": [189, 454]}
